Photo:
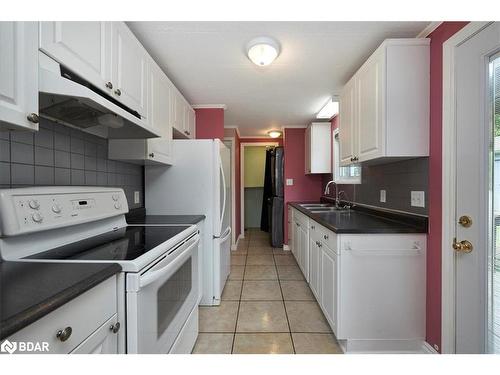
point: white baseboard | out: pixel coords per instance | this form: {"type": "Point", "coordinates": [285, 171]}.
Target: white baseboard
{"type": "Point", "coordinates": [428, 348]}
{"type": "Point", "coordinates": [382, 346]}
{"type": "Point", "coordinates": [286, 247]}
{"type": "Point", "coordinates": [235, 246]}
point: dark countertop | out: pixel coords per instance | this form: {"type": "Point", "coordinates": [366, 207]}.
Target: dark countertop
{"type": "Point", "coordinates": [165, 219]}
{"type": "Point", "coordinates": [31, 290]}
{"type": "Point", "coordinates": [363, 220]}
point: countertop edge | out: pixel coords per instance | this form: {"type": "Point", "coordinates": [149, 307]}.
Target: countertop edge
{"type": "Point", "coordinates": [408, 228]}
{"type": "Point", "coordinates": [38, 311]}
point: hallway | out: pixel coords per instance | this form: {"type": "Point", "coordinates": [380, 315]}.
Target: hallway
{"type": "Point", "coordinates": [267, 307]}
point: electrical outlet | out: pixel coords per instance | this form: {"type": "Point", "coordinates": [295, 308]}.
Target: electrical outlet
{"type": "Point", "coordinates": [418, 199]}
{"type": "Point", "coordinates": [382, 196]}
{"type": "Point", "coordinates": [289, 182]}
{"type": "Point", "coordinates": [137, 197]}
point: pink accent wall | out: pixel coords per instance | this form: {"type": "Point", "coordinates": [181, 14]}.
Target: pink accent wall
{"type": "Point", "coordinates": [305, 187]}
{"type": "Point", "coordinates": [209, 123]}
{"type": "Point", "coordinates": [433, 313]}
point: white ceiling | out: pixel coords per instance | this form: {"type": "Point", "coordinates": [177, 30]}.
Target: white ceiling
{"type": "Point", "coordinates": [208, 63]}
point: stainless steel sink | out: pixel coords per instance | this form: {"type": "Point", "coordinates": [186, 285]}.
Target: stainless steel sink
{"type": "Point", "coordinates": [310, 206]}
{"type": "Point", "coordinates": [329, 209]}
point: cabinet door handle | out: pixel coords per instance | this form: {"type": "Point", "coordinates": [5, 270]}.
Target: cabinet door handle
{"type": "Point", "coordinates": [115, 327]}
{"type": "Point", "coordinates": [325, 236]}
{"type": "Point", "coordinates": [118, 92]}
{"type": "Point", "coordinates": [313, 227]}
{"type": "Point", "coordinates": [152, 155]}
{"type": "Point", "coordinates": [64, 334]}
{"type": "Point", "coordinates": [33, 117]}
{"type": "Point", "coordinates": [109, 85]}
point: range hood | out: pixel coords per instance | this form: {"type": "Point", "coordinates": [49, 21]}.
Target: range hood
{"type": "Point", "coordinates": [67, 98]}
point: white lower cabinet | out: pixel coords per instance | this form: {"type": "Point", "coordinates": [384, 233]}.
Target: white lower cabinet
{"type": "Point", "coordinates": [103, 341]}
{"type": "Point", "coordinates": [370, 287]}
{"type": "Point", "coordinates": [328, 284]}
{"type": "Point", "coordinates": [87, 324]}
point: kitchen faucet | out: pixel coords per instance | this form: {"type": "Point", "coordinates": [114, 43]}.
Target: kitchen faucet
{"type": "Point", "coordinates": [327, 191]}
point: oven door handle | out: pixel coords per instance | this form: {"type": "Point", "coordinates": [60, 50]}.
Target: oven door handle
{"type": "Point", "coordinates": [150, 277]}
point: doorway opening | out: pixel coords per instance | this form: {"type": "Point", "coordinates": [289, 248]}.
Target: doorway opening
{"type": "Point", "coordinates": [252, 176]}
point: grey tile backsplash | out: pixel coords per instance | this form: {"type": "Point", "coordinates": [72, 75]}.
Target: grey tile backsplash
{"type": "Point", "coordinates": [398, 179]}
{"type": "Point", "coordinates": [59, 155]}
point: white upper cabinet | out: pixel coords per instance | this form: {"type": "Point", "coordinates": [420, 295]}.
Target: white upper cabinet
{"type": "Point", "coordinates": [129, 69]}
{"type": "Point", "coordinates": [160, 114]}
{"type": "Point", "coordinates": [384, 108]}
{"type": "Point", "coordinates": [369, 82]}
{"type": "Point", "coordinates": [184, 121]}
{"type": "Point", "coordinates": [318, 148]}
{"type": "Point", "coordinates": [19, 75]}
{"type": "Point", "coordinates": [82, 47]}
{"type": "Point", "coordinates": [347, 116]}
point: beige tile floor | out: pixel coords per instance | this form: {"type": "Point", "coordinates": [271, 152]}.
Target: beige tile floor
{"type": "Point", "coordinates": [267, 307]}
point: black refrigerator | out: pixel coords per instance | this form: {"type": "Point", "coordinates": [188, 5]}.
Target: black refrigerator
{"type": "Point", "coordinates": [273, 203]}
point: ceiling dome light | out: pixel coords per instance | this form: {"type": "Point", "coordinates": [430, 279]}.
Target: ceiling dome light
{"type": "Point", "coordinates": [263, 51]}
{"type": "Point", "coordinates": [274, 133]}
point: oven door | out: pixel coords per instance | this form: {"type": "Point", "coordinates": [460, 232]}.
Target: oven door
{"type": "Point", "coordinates": [160, 299]}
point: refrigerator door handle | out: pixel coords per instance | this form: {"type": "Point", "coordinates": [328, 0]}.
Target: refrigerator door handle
{"type": "Point", "coordinates": [225, 236]}
{"type": "Point", "coordinates": [224, 201]}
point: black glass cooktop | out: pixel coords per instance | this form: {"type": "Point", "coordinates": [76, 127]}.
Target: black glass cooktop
{"type": "Point", "coordinates": [126, 243]}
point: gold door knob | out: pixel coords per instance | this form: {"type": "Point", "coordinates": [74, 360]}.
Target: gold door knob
{"type": "Point", "coordinates": [465, 221]}
{"type": "Point", "coordinates": [462, 246]}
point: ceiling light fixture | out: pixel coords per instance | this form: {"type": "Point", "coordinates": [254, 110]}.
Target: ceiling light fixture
{"type": "Point", "coordinates": [263, 51]}
{"type": "Point", "coordinates": [274, 133]}
{"type": "Point", "coordinates": [329, 110]}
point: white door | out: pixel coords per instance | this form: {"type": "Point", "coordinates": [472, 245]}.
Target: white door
{"type": "Point", "coordinates": [159, 114]}
{"type": "Point", "coordinates": [130, 63]}
{"type": "Point", "coordinates": [347, 123]}
{"type": "Point", "coordinates": [477, 281]}
{"type": "Point", "coordinates": [369, 112]}
{"type": "Point", "coordinates": [103, 341]}
{"type": "Point", "coordinates": [315, 264]}
{"type": "Point", "coordinates": [328, 287]}
{"type": "Point", "coordinates": [82, 47]}
{"type": "Point", "coordinates": [179, 115]}
{"type": "Point", "coordinates": [19, 75]}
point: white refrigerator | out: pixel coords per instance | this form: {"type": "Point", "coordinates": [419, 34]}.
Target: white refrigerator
{"type": "Point", "coordinates": [199, 182]}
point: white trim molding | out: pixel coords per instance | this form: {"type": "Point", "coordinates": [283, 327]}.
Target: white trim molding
{"type": "Point", "coordinates": [209, 106]}
{"type": "Point", "coordinates": [233, 188]}
{"type": "Point", "coordinates": [233, 127]}
{"type": "Point", "coordinates": [428, 29]}
{"type": "Point", "coordinates": [234, 247]}
{"type": "Point", "coordinates": [448, 192]}
{"type": "Point", "coordinates": [428, 348]}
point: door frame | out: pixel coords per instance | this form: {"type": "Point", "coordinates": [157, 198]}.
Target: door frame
{"type": "Point", "coordinates": [242, 177]}
{"type": "Point", "coordinates": [448, 184]}
{"type": "Point", "coordinates": [233, 190]}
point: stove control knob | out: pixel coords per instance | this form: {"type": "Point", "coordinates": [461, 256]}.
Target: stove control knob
{"type": "Point", "coordinates": [56, 208]}
{"type": "Point", "coordinates": [37, 218]}
{"type": "Point", "coordinates": [118, 205]}
{"type": "Point", "coordinates": [34, 204]}
{"type": "Point", "coordinates": [115, 197]}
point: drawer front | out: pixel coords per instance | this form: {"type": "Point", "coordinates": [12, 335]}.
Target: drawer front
{"type": "Point", "coordinates": [84, 315]}
{"type": "Point", "coordinates": [301, 218]}
{"type": "Point", "coordinates": [328, 237]}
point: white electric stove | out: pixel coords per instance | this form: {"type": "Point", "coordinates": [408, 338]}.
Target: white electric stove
{"type": "Point", "coordinates": [87, 224]}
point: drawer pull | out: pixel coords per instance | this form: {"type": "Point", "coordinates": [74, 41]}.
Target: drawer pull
{"type": "Point", "coordinates": [325, 236]}
{"type": "Point", "coordinates": [115, 327]}
{"type": "Point", "coordinates": [118, 92]}
{"type": "Point", "coordinates": [313, 227]}
{"type": "Point", "coordinates": [64, 334]}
